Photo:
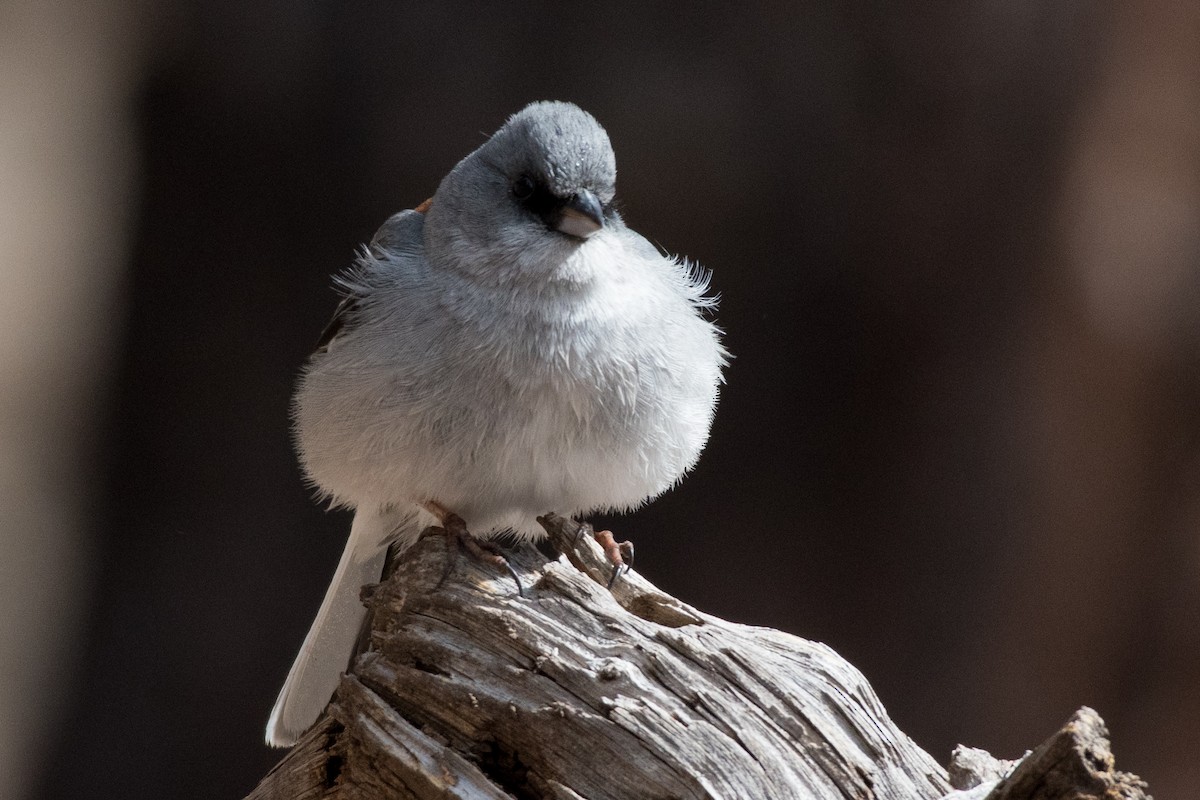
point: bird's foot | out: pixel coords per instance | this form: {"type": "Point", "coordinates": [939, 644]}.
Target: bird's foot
{"type": "Point", "coordinates": [458, 538]}
{"type": "Point", "coordinates": [619, 554]}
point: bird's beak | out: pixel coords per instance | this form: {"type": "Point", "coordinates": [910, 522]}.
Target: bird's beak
{"type": "Point", "coordinates": [581, 216]}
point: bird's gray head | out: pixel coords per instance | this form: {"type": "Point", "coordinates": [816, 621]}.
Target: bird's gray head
{"type": "Point", "coordinates": [535, 193]}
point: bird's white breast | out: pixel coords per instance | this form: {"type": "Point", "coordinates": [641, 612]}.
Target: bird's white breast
{"type": "Point", "coordinates": [502, 405]}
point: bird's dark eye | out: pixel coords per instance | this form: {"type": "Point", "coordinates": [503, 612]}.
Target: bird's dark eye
{"type": "Point", "coordinates": [523, 187]}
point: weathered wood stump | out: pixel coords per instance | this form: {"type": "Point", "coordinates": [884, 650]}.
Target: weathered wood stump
{"type": "Point", "coordinates": [467, 690]}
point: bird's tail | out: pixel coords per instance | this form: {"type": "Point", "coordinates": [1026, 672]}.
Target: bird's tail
{"type": "Point", "coordinates": [331, 640]}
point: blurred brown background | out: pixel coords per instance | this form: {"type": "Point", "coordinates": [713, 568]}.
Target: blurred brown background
{"type": "Point", "coordinates": [958, 248]}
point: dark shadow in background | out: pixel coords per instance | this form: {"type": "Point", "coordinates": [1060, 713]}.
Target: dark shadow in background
{"type": "Point", "coordinates": [873, 187]}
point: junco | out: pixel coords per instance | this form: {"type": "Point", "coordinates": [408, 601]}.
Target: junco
{"type": "Point", "coordinates": [508, 348]}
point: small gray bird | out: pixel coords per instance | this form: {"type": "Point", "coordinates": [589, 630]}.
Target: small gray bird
{"type": "Point", "coordinates": [507, 349]}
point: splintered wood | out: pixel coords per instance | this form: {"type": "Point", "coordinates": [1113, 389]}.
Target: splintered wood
{"type": "Point", "coordinates": [466, 690]}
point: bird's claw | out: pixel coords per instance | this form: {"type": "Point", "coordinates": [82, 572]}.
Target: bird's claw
{"type": "Point", "coordinates": [458, 538]}
{"type": "Point", "coordinates": [516, 578]}
{"type": "Point", "coordinates": [619, 554]}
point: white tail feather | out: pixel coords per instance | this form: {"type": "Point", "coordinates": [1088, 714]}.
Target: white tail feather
{"type": "Point", "coordinates": [329, 645]}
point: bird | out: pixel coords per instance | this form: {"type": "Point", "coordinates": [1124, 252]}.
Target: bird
{"type": "Point", "coordinates": [507, 348]}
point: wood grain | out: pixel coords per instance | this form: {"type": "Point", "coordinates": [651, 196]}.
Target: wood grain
{"type": "Point", "coordinates": [466, 690]}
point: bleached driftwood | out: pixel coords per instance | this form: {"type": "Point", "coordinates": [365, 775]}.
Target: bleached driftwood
{"type": "Point", "coordinates": [467, 690]}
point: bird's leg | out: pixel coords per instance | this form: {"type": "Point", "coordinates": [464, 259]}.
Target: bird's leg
{"type": "Point", "coordinates": [458, 538]}
{"type": "Point", "coordinates": [619, 554]}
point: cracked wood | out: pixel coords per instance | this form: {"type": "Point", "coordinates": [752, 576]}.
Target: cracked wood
{"type": "Point", "coordinates": [467, 691]}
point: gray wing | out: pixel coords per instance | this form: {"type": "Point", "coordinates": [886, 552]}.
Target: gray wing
{"type": "Point", "coordinates": [341, 317]}
{"type": "Point", "coordinates": [399, 233]}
